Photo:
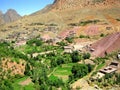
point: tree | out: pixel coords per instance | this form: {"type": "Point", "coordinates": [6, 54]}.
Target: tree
{"type": "Point", "coordinates": [60, 60]}
{"type": "Point", "coordinates": [6, 85]}
{"type": "Point", "coordinates": [75, 56]}
{"type": "Point", "coordinates": [53, 63]}
{"type": "Point", "coordinates": [90, 67]}
{"type": "Point", "coordinates": [79, 70]}
{"type": "Point", "coordinates": [27, 69]}
{"type": "Point", "coordinates": [86, 55]}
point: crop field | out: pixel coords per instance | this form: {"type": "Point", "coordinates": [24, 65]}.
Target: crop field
{"type": "Point", "coordinates": [63, 71]}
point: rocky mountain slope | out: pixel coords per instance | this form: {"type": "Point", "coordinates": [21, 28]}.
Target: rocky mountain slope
{"type": "Point", "coordinates": [74, 4]}
{"type": "Point", "coordinates": [10, 16]}
{"type": "Point", "coordinates": [65, 14]}
{"type": "Point", "coordinates": [1, 18]}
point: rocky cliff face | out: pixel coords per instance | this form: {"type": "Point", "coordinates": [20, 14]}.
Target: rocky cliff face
{"type": "Point", "coordinates": [10, 16]}
{"type": "Point", "coordinates": [73, 4]}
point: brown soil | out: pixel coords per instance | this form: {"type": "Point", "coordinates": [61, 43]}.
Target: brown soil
{"type": "Point", "coordinates": [92, 30]}
{"type": "Point", "coordinates": [107, 45]}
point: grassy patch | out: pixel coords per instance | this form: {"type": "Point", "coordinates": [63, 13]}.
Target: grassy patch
{"type": "Point", "coordinates": [63, 71]}
{"type": "Point", "coordinates": [100, 66]}
{"type": "Point", "coordinates": [29, 87]}
{"type": "Point", "coordinates": [52, 77]}
{"type": "Point", "coordinates": [17, 86]}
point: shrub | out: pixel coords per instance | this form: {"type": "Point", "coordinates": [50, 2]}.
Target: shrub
{"type": "Point", "coordinates": [102, 35]}
{"type": "Point", "coordinates": [86, 55]}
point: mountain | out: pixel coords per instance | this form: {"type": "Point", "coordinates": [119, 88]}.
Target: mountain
{"type": "Point", "coordinates": [65, 14]}
{"type": "Point", "coordinates": [10, 16]}
{"type": "Point", "coordinates": [1, 18]}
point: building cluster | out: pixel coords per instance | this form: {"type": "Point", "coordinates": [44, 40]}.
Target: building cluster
{"type": "Point", "coordinates": [111, 68]}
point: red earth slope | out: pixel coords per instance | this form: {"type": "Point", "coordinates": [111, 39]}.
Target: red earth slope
{"type": "Point", "coordinates": [106, 45]}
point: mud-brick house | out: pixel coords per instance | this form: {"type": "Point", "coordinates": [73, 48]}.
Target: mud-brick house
{"type": "Point", "coordinates": [111, 68]}
{"type": "Point", "coordinates": [68, 49]}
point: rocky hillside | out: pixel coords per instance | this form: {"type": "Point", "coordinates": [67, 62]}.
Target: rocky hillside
{"type": "Point", "coordinates": [73, 4]}
{"type": "Point", "coordinates": [65, 14]}
{"type": "Point", "coordinates": [10, 16]}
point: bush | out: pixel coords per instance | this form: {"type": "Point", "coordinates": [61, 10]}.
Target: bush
{"type": "Point", "coordinates": [69, 39]}
{"type": "Point", "coordinates": [62, 43]}
{"type": "Point", "coordinates": [83, 36]}
{"type": "Point", "coordinates": [35, 41]}
{"type": "Point", "coordinates": [86, 55]}
{"type": "Point", "coordinates": [102, 35]}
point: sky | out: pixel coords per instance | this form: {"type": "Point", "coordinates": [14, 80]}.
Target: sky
{"type": "Point", "coordinates": [24, 7]}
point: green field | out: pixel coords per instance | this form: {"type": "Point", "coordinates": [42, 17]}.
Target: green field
{"type": "Point", "coordinates": [17, 86]}
{"type": "Point", "coordinates": [63, 71]}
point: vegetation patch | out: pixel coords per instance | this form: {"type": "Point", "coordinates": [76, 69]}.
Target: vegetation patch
{"type": "Point", "coordinates": [98, 1]}
{"type": "Point", "coordinates": [83, 23]}
{"type": "Point", "coordinates": [118, 19]}
{"type": "Point", "coordinates": [63, 70]}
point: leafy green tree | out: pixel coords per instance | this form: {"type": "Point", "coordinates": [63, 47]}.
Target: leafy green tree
{"type": "Point", "coordinates": [53, 63]}
{"type": "Point", "coordinates": [60, 60]}
{"type": "Point", "coordinates": [79, 70]}
{"type": "Point", "coordinates": [67, 58]}
{"type": "Point", "coordinates": [86, 55]}
{"type": "Point", "coordinates": [90, 67]}
{"type": "Point", "coordinates": [27, 70]}
{"type": "Point", "coordinates": [75, 56]}
{"type": "Point", "coordinates": [6, 85]}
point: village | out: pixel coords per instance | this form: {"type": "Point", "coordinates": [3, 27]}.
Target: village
{"type": "Point", "coordinates": [71, 41]}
